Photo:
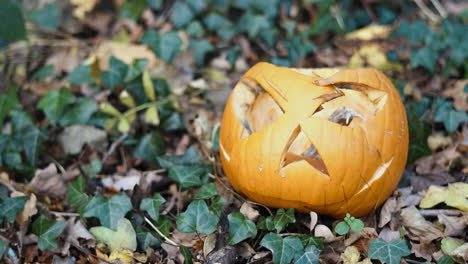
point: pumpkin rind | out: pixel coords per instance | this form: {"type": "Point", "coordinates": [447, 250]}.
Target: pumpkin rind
{"type": "Point", "coordinates": [355, 166]}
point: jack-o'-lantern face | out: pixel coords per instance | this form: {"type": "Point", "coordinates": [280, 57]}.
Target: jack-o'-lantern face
{"type": "Point", "coordinates": [327, 140]}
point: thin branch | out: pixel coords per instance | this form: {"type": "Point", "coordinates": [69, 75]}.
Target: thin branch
{"type": "Point", "coordinates": [64, 214]}
{"type": "Point", "coordinates": [114, 146]}
{"type": "Point", "coordinates": [426, 11]}
{"type": "Point", "coordinates": [436, 212]}
{"type": "Point", "coordinates": [160, 233]}
{"type": "Point", "coordinates": [7, 185]}
{"type": "Point", "coordinates": [439, 8]}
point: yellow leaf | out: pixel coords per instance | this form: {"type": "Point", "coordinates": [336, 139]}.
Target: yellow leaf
{"type": "Point", "coordinates": [148, 86]}
{"type": "Point", "coordinates": [373, 56]}
{"type": "Point", "coordinates": [124, 52]}
{"type": "Point", "coordinates": [152, 115]}
{"type": "Point", "coordinates": [369, 33]}
{"type": "Point", "coordinates": [124, 125]}
{"type": "Point", "coordinates": [109, 109]}
{"type": "Point", "coordinates": [110, 124]}
{"type": "Point", "coordinates": [351, 255]}
{"type": "Point", "coordinates": [82, 7]}
{"type": "Point", "coordinates": [455, 196]}
{"type": "Point", "coordinates": [124, 256]}
{"type": "Point", "coordinates": [127, 99]}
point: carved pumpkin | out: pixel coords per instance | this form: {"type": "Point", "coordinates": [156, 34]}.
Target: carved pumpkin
{"type": "Point", "coordinates": [328, 140]}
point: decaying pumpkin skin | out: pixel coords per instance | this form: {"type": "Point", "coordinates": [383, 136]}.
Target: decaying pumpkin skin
{"type": "Point", "coordinates": [328, 140]}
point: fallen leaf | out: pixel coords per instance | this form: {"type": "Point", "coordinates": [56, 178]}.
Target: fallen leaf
{"type": "Point", "coordinates": [438, 141]}
{"type": "Point", "coordinates": [209, 244]}
{"type": "Point", "coordinates": [422, 183]}
{"type": "Point", "coordinates": [362, 239]}
{"type": "Point", "coordinates": [388, 235]}
{"type": "Point", "coordinates": [351, 255]}
{"type": "Point", "coordinates": [49, 181]}
{"type": "Point", "coordinates": [82, 7]}
{"type": "Point", "coordinates": [325, 232]}
{"type": "Point", "coordinates": [313, 220]}
{"type": "Point", "coordinates": [460, 97]}
{"type": "Point", "coordinates": [74, 137]}
{"type": "Point", "coordinates": [121, 183]}
{"type": "Point", "coordinates": [424, 249]}
{"type": "Point", "coordinates": [372, 55]}
{"type": "Point", "coordinates": [124, 52]}
{"type": "Point", "coordinates": [391, 206]}
{"type": "Point", "coordinates": [455, 195]}
{"type": "Point", "coordinates": [369, 33]}
{"type": "Point", "coordinates": [449, 244]}
{"type": "Point", "coordinates": [249, 212]}
{"type": "Point", "coordinates": [454, 225]}
{"type": "Point", "coordinates": [123, 238]}
{"type": "Point", "coordinates": [417, 226]}
{"type": "Point", "coordinates": [29, 208]}
{"type": "Point", "coordinates": [461, 252]}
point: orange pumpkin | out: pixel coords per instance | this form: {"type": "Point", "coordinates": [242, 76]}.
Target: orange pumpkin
{"type": "Point", "coordinates": [333, 141]}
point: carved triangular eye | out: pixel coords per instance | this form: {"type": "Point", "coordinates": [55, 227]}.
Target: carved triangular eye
{"type": "Point", "coordinates": [254, 107]}
{"type": "Point", "coordinates": [300, 148]}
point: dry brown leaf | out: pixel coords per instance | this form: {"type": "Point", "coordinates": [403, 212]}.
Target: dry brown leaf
{"type": "Point", "coordinates": [417, 226]}
{"type": "Point", "coordinates": [209, 244]}
{"type": "Point", "coordinates": [249, 212]}
{"type": "Point", "coordinates": [48, 181]}
{"type": "Point", "coordinates": [460, 97]}
{"type": "Point", "coordinates": [388, 235]}
{"type": "Point", "coordinates": [29, 208]}
{"type": "Point", "coordinates": [325, 232]}
{"type": "Point", "coordinates": [361, 240]}
{"type": "Point", "coordinates": [454, 225]}
{"type": "Point", "coordinates": [423, 249]}
{"type": "Point", "coordinates": [391, 206]}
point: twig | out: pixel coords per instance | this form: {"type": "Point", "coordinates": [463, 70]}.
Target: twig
{"type": "Point", "coordinates": [154, 171]}
{"type": "Point", "coordinates": [160, 233]}
{"type": "Point", "coordinates": [439, 8]}
{"type": "Point", "coordinates": [426, 11]}
{"type": "Point", "coordinates": [290, 234]}
{"type": "Point", "coordinates": [64, 214]}
{"type": "Point", "coordinates": [114, 146]}
{"type": "Point", "coordinates": [436, 212]}
{"type": "Point", "coordinates": [7, 185]}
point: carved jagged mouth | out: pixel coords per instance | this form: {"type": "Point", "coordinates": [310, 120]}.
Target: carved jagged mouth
{"type": "Point", "coordinates": [299, 148]}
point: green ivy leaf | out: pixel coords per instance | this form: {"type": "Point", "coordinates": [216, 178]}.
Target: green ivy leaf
{"type": "Point", "coordinates": [181, 14]}
{"type": "Point", "coordinates": [390, 253]}
{"type": "Point", "coordinates": [80, 75]}
{"type": "Point", "coordinates": [253, 24]}
{"type": "Point", "coordinates": [46, 17]}
{"type": "Point", "coordinates": [190, 157]}
{"type": "Point", "coordinates": [240, 228]}
{"type": "Point", "coordinates": [308, 240]}
{"type": "Point", "coordinates": [47, 231]}
{"type": "Point", "coordinates": [445, 260]}
{"type": "Point", "coordinates": [188, 176]}
{"type": "Point", "coordinates": [450, 117]}
{"type": "Point", "coordinates": [200, 49]}
{"type": "Point", "coordinates": [284, 250]}
{"type": "Point", "coordinates": [43, 73]}
{"type": "Point", "coordinates": [9, 207]}
{"type": "Point", "coordinates": [342, 228]}
{"type": "Point", "coordinates": [79, 113]}
{"type": "Point", "coordinates": [145, 239]}
{"type": "Point", "coordinates": [217, 205]}
{"type": "Point", "coordinates": [76, 194]}
{"type": "Point", "coordinates": [8, 102]}
{"type": "Point", "coordinates": [54, 102]}
{"type": "Point", "coordinates": [425, 57]}
{"type": "Point", "coordinates": [151, 205]}
{"type": "Point", "coordinates": [149, 148]}
{"type": "Point", "coordinates": [3, 247]}
{"type": "Point", "coordinates": [14, 27]}
{"type": "Point", "coordinates": [283, 218]}
{"type": "Point", "coordinates": [310, 256]}
{"type": "Point", "coordinates": [109, 211]}
{"type": "Point", "coordinates": [132, 9]}
{"type": "Point", "coordinates": [197, 218]}
{"type": "Point", "coordinates": [137, 69]}
{"type": "Point", "coordinates": [414, 32]}
{"type": "Point", "coordinates": [419, 131]}
{"type": "Point", "coordinates": [116, 75]}
{"type": "Point", "coordinates": [123, 238]}
{"type": "Point", "coordinates": [207, 191]}
{"type": "Point", "coordinates": [197, 5]}
{"type": "Point", "coordinates": [166, 46]}
{"type": "Point", "coordinates": [187, 254]}
{"type": "Point", "coordinates": [195, 29]}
